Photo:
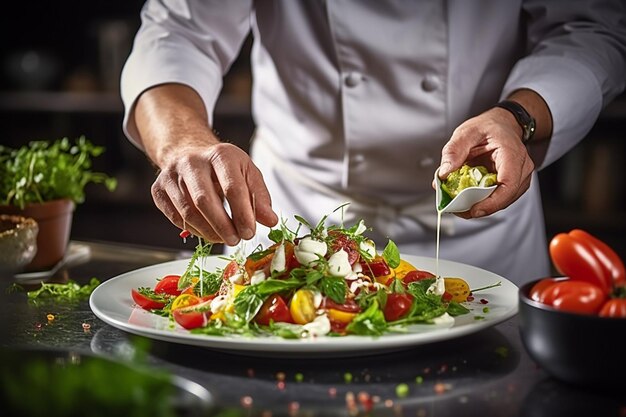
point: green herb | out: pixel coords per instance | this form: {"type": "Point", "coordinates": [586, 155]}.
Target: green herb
{"type": "Point", "coordinates": [186, 279]}
{"type": "Point", "coordinates": [402, 390]}
{"type": "Point", "coordinates": [347, 377]}
{"type": "Point", "coordinates": [456, 309]}
{"type": "Point", "coordinates": [370, 322]}
{"type": "Point", "coordinates": [43, 171]}
{"type": "Point", "coordinates": [67, 292]}
{"type": "Point", "coordinates": [149, 293]}
{"type": "Point", "coordinates": [250, 300]}
{"type": "Point", "coordinates": [211, 281]}
{"type": "Point", "coordinates": [334, 288]}
{"type": "Point", "coordinates": [391, 254]}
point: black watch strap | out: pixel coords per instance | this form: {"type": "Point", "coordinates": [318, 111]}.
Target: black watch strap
{"type": "Point", "coordinates": [524, 119]}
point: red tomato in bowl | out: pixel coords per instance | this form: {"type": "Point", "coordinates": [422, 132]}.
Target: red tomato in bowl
{"type": "Point", "coordinates": [609, 260]}
{"type": "Point", "coordinates": [615, 307]}
{"type": "Point", "coordinates": [574, 296]}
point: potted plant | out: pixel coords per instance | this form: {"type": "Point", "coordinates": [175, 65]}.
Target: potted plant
{"type": "Point", "coordinates": [44, 180]}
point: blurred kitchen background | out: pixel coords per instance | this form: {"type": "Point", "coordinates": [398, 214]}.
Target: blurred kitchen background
{"type": "Point", "coordinates": [60, 64]}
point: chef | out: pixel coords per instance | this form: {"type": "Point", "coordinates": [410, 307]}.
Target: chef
{"type": "Point", "coordinates": [360, 102]}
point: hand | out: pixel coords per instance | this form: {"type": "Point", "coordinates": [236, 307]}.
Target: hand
{"type": "Point", "coordinates": [492, 139]}
{"type": "Point", "coordinates": [195, 179]}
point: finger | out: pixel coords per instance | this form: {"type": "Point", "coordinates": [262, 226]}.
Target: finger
{"type": "Point", "coordinates": [260, 196]}
{"type": "Point", "coordinates": [208, 204]}
{"type": "Point", "coordinates": [164, 204]}
{"type": "Point", "coordinates": [456, 151]}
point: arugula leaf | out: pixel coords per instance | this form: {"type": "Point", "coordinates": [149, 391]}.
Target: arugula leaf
{"type": "Point", "coordinates": [334, 288]}
{"type": "Point", "coordinates": [211, 281]}
{"type": "Point", "coordinates": [186, 279]}
{"type": "Point", "coordinates": [69, 292]}
{"type": "Point", "coordinates": [371, 322]}
{"type": "Point", "coordinates": [391, 254]}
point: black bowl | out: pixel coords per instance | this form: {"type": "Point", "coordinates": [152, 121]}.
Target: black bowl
{"type": "Point", "coordinates": [575, 348]}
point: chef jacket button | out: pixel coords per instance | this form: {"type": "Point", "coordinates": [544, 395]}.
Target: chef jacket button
{"type": "Point", "coordinates": [426, 162]}
{"type": "Point", "coordinates": [430, 83]}
{"type": "Point", "coordinates": [353, 79]}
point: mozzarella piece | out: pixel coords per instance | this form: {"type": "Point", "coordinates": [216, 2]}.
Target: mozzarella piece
{"type": "Point", "coordinates": [257, 277]}
{"type": "Point", "coordinates": [338, 264]}
{"type": "Point", "coordinates": [218, 304]}
{"type": "Point", "coordinates": [438, 287]}
{"type": "Point", "coordinates": [237, 278]}
{"type": "Point", "coordinates": [309, 250]}
{"type": "Point", "coordinates": [279, 263]}
{"type": "Point", "coordinates": [318, 327]}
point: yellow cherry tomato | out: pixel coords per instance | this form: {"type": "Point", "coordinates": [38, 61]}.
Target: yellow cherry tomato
{"type": "Point", "coordinates": [340, 316]}
{"type": "Point", "coordinates": [458, 287]}
{"type": "Point", "coordinates": [185, 300]}
{"type": "Point", "coordinates": [398, 272]}
{"type": "Point", "coordinates": [302, 306]}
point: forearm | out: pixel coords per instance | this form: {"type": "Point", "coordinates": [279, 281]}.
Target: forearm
{"type": "Point", "coordinates": [170, 117]}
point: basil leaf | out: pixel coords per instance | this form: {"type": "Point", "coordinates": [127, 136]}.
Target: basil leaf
{"type": "Point", "coordinates": [272, 286]}
{"type": "Point", "coordinates": [334, 288]}
{"type": "Point", "coordinates": [276, 235]}
{"type": "Point", "coordinates": [258, 255]}
{"type": "Point", "coordinates": [371, 322]}
{"type": "Point", "coordinates": [211, 281]}
{"type": "Point", "coordinates": [391, 254]}
{"type": "Point", "coordinates": [248, 303]}
{"type": "Point", "coordinates": [445, 198]}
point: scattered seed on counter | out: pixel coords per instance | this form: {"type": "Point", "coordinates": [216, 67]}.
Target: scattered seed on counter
{"type": "Point", "coordinates": [347, 377]}
{"type": "Point", "coordinates": [388, 403]}
{"type": "Point", "coordinates": [299, 377]}
{"type": "Point", "coordinates": [86, 327]}
{"type": "Point", "coordinates": [366, 401]}
{"type": "Point", "coordinates": [246, 401]}
{"type": "Point", "coordinates": [483, 301]}
{"type": "Point", "coordinates": [441, 388]}
{"type": "Point", "coordinates": [50, 318]}
{"type": "Point", "coordinates": [38, 326]}
{"type": "Point", "coordinates": [293, 408]}
{"type": "Point", "coordinates": [280, 385]}
{"type": "Point", "coordinates": [419, 380]}
{"type": "Point", "coordinates": [280, 376]}
{"type": "Point", "coordinates": [250, 372]}
{"type": "Point", "coordinates": [332, 392]}
{"type": "Point", "coordinates": [486, 310]}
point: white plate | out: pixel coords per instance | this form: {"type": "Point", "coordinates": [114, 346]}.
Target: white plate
{"type": "Point", "coordinates": [112, 303]}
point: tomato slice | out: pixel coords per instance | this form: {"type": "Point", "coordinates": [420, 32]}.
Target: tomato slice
{"type": "Point", "coordinates": [377, 267]}
{"type": "Point", "coordinates": [273, 309]}
{"type": "Point", "coordinates": [397, 306]}
{"type": "Point", "coordinates": [615, 307]}
{"type": "Point", "coordinates": [610, 261]}
{"type": "Point", "coordinates": [147, 302]}
{"type": "Point", "coordinates": [574, 296]}
{"type": "Point", "coordinates": [302, 306]}
{"type": "Point", "coordinates": [168, 285]}
{"type": "Point", "coordinates": [194, 316]}
{"type": "Point", "coordinates": [575, 258]}
{"type": "Point", "coordinates": [417, 275]}
{"type": "Point", "coordinates": [350, 306]}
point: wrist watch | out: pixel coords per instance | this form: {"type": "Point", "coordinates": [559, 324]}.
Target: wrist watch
{"type": "Point", "coordinates": [525, 120]}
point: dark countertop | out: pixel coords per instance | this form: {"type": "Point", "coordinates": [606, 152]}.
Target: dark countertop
{"type": "Point", "coordinates": [484, 374]}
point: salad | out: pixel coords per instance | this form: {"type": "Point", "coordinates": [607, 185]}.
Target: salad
{"type": "Point", "coordinates": [313, 281]}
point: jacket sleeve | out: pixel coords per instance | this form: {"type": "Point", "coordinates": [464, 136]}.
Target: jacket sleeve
{"type": "Point", "coordinates": [192, 42]}
{"type": "Point", "coordinates": [576, 61]}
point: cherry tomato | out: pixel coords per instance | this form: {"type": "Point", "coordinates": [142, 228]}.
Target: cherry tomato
{"type": "Point", "coordinates": [610, 261]}
{"type": "Point", "coordinates": [574, 258]}
{"type": "Point", "coordinates": [185, 300]}
{"type": "Point", "coordinates": [416, 275]}
{"type": "Point", "coordinates": [302, 306]}
{"type": "Point", "coordinates": [341, 241]}
{"type": "Point", "coordinates": [231, 269]}
{"type": "Point", "coordinates": [615, 307]}
{"type": "Point", "coordinates": [273, 309]}
{"type": "Point", "coordinates": [574, 296]}
{"type": "Point", "coordinates": [397, 306]}
{"type": "Point", "coordinates": [168, 285]}
{"type": "Point", "coordinates": [539, 287]}
{"type": "Point", "coordinates": [144, 301]}
{"type": "Point", "coordinates": [194, 316]}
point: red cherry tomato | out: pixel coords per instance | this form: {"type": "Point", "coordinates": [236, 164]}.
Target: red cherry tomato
{"type": "Point", "coordinates": [168, 285]}
{"type": "Point", "coordinates": [416, 275]}
{"type": "Point", "coordinates": [194, 316]}
{"type": "Point", "coordinates": [539, 287]}
{"type": "Point", "coordinates": [273, 309]}
{"type": "Point", "coordinates": [615, 307]}
{"type": "Point", "coordinates": [575, 258]}
{"type": "Point", "coordinates": [397, 306]}
{"type": "Point", "coordinates": [574, 296]}
{"type": "Point", "coordinates": [145, 301]}
{"type": "Point", "coordinates": [231, 269]}
{"type": "Point", "coordinates": [610, 261]}
{"type": "Point", "coordinates": [341, 241]}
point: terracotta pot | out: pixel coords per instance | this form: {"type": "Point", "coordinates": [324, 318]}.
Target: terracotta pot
{"type": "Point", "coordinates": [55, 223]}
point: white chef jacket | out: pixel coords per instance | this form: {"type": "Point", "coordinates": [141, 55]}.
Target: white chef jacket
{"type": "Point", "coordinates": [354, 100]}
